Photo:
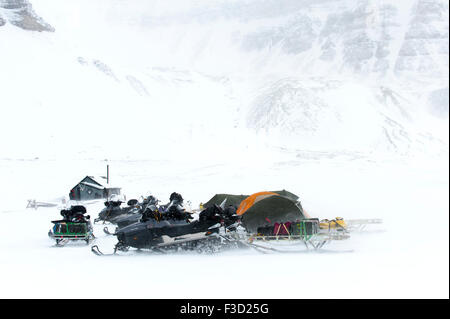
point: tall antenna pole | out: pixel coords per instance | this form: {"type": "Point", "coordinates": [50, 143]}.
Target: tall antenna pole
{"type": "Point", "coordinates": [107, 173]}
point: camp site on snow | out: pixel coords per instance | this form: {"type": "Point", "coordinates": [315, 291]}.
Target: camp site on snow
{"type": "Point", "coordinates": [266, 221]}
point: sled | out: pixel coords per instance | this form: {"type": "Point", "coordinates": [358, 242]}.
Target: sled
{"type": "Point", "coordinates": [65, 231]}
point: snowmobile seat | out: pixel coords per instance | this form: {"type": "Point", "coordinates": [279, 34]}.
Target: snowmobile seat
{"type": "Point", "coordinates": [132, 202]}
{"type": "Point", "coordinates": [78, 209]}
{"type": "Point", "coordinates": [113, 203]}
{"type": "Point", "coordinates": [66, 221]}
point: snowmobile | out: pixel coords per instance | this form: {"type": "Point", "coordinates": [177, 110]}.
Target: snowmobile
{"type": "Point", "coordinates": [74, 226]}
{"type": "Point", "coordinates": [114, 212]}
{"type": "Point", "coordinates": [175, 229]}
{"type": "Point", "coordinates": [148, 206]}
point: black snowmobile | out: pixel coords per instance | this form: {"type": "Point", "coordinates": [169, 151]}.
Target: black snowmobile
{"type": "Point", "coordinates": [134, 215]}
{"type": "Point", "coordinates": [74, 226]}
{"type": "Point", "coordinates": [150, 206]}
{"type": "Point", "coordinates": [114, 212]}
{"type": "Point", "coordinates": [174, 229]}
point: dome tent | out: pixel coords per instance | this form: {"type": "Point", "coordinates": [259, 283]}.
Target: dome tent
{"type": "Point", "coordinates": [265, 208]}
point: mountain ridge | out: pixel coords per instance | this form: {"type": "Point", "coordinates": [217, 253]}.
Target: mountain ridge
{"type": "Point", "coordinates": [302, 74]}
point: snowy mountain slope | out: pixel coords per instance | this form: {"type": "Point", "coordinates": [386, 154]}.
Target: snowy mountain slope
{"type": "Point", "coordinates": [319, 114]}
{"type": "Point", "coordinates": [267, 62]}
{"type": "Point", "coordinates": [83, 105]}
{"type": "Point", "coordinates": [289, 37]}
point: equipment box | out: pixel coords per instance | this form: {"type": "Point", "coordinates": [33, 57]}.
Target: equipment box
{"type": "Point", "coordinates": [305, 227]}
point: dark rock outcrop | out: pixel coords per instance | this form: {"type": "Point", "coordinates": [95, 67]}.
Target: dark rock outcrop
{"type": "Point", "coordinates": [21, 14]}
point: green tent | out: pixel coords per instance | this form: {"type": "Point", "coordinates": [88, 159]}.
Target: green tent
{"type": "Point", "coordinates": [236, 200]}
{"type": "Point", "coordinates": [269, 207]}
{"type": "Point", "coordinates": [287, 194]}
{"type": "Point", "coordinates": [217, 199]}
{"type": "Point", "coordinates": [270, 210]}
{"type": "Point", "coordinates": [263, 208]}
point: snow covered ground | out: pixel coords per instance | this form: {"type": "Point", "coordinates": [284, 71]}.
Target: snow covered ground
{"type": "Point", "coordinates": [405, 257]}
{"type": "Point", "coordinates": [344, 103]}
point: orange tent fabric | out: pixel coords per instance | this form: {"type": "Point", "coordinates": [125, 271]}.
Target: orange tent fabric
{"type": "Point", "coordinates": [252, 199]}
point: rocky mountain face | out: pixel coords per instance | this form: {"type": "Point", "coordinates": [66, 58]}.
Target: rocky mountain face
{"type": "Point", "coordinates": [20, 13]}
{"type": "Point", "coordinates": [362, 74]}
{"type": "Point", "coordinates": [320, 75]}
{"type": "Point", "coordinates": [364, 37]}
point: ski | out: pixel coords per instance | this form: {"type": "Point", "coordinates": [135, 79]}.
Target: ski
{"type": "Point", "coordinates": [106, 231]}
{"type": "Point", "coordinates": [98, 252]}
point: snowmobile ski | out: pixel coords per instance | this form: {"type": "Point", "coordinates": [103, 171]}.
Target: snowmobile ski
{"type": "Point", "coordinates": [106, 231]}
{"type": "Point", "coordinates": [98, 252]}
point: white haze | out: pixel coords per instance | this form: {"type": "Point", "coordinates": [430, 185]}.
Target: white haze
{"type": "Point", "coordinates": [342, 102]}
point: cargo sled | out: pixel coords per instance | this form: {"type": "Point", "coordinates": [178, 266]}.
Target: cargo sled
{"type": "Point", "coordinates": [74, 226]}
